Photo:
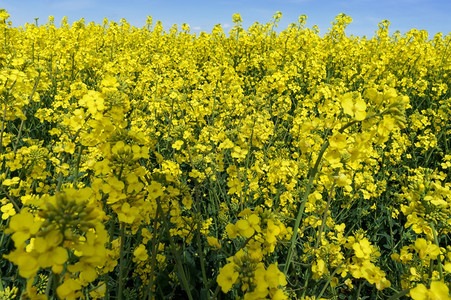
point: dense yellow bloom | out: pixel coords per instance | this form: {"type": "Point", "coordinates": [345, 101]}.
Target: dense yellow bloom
{"type": "Point", "coordinates": [437, 291]}
{"type": "Point", "coordinates": [362, 249]}
{"type": "Point", "coordinates": [138, 153]}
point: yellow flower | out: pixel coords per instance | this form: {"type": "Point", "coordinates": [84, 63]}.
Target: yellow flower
{"type": "Point", "coordinates": [371, 272]}
{"type": "Point", "coordinates": [420, 292]}
{"type": "Point", "coordinates": [99, 291]}
{"type": "Point", "coordinates": [244, 228]}
{"type": "Point", "coordinates": [94, 102]}
{"type": "Point", "coordinates": [23, 226]}
{"type": "Point", "coordinates": [214, 242]}
{"type": "Point", "coordinates": [385, 127]}
{"type": "Point", "coordinates": [70, 289]}
{"type": "Point", "coordinates": [10, 182]}
{"type": "Point", "coordinates": [278, 295]}
{"type": "Point", "coordinates": [232, 231]}
{"type": "Point", "coordinates": [49, 251]}
{"type": "Point", "coordinates": [8, 293]}
{"type": "Point", "coordinates": [274, 277]}
{"type": "Point", "coordinates": [438, 291]}
{"type": "Point", "coordinates": [227, 144]}
{"type": "Point", "coordinates": [373, 95]}
{"type": "Point", "coordinates": [227, 277]}
{"type": "Point", "coordinates": [8, 211]}
{"type": "Point", "coordinates": [447, 267]}
{"type": "Point", "coordinates": [354, 106]}
{"type": "Point", "coordinates": [362, 249]}
{"type": "Point", "coordinates": [147, 236]}
{"type": "Point", "coordinates": [127, 214]}
{"type": "Point", "coordinates": [426, 249]}
{"type": "Point", "coordinates": [319, 269]}
{"type": "Point", "coordinates": [237, 18]}
{"type": "Point", "coordinates": [272, 231]}
{"type": "Point", "coordinates": [140, 253]}
{"type": "Point", "coordinates": [177, 145]}
{"type": "Point", "coordinates": [28, 264]}
{"type": "Point", "coordinates": [87, 272]}
{"type": "Point", "coordinates": [155, 190]}
{"type": "Point", "coordinates": [338, 141]}
{"type": "Point", "coordinates": [261, 283]}
{"type": "Point", "coordinates": [32, 292]}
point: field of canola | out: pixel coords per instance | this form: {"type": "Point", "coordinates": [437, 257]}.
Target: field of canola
{"type": "Point", "coordinates": [142, 164]}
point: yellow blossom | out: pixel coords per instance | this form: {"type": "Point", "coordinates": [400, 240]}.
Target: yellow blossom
{"type": "Point", "coordinates": [140, 253]}
{"type": "Point", "coordinates": [214, 242]}
{"type": "Point", "coordinates": [354, 106]}
{"type": "Point", "coordinates": [22, 226]}
{"type": "Point", "coordinates": [8, 211]}
{"type": "Point", "coordinates": [438, 291]}
{"type": "Point", "coordinates": [227, 277]}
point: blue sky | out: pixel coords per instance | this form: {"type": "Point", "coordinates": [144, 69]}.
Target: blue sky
{"type": "Point", "coordinates": [433, 15]}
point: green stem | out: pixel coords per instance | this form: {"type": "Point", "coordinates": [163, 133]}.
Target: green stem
{"type": "Point", "coordinates": [121, 262]}
{"type": "Point", "coordinates": [77, 166]}
{"type": "Point", "coordinates": [328, 282]}
{"type": "Point", "coordinates": [19, 134]}
{"type": "Point", "coordinates": [439, 260]}
{"type": "Point", "coordinates": [181, 271]}
{"type": "Point", "coordinates": [312, 175]}
{"type": "Point", "coordinates": [56, 279]}
{"type": "Point", "coordinates": [3, 128]}
{"type": "Point", "coordinates": [215, 295]}
{"type": "Point", "coordinates": [49, 286]}
{"type": "Point", "coordinates": [10, 198]}
{"type": "Point", "coordinates": [399, 294]}
{"type": "Point", "coordinates": [154, 256]}
{"type": "Point", "coordinates": [201, 257]}
{"type": "Point", "coordinates": [199, 221]}
{"type": "Point", "coordinates": [321, 228]}
{"type": "Point", "coordinates": [358, 291]}
{"type": "Point", "coordinates": [60, 182]}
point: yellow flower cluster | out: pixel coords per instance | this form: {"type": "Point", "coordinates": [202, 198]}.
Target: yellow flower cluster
{"type": "Point", "coordinates": [67, 224]}
{"type": "Point", "coordinates": [260, 231]}
{"type": "Point", "coordinates": [257, 282]}
{"type": "Point", "coordinates": [143, 163]}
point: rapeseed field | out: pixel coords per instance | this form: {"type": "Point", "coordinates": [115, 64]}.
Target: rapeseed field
{"type": "Point", "coordinates": [257, 163]}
